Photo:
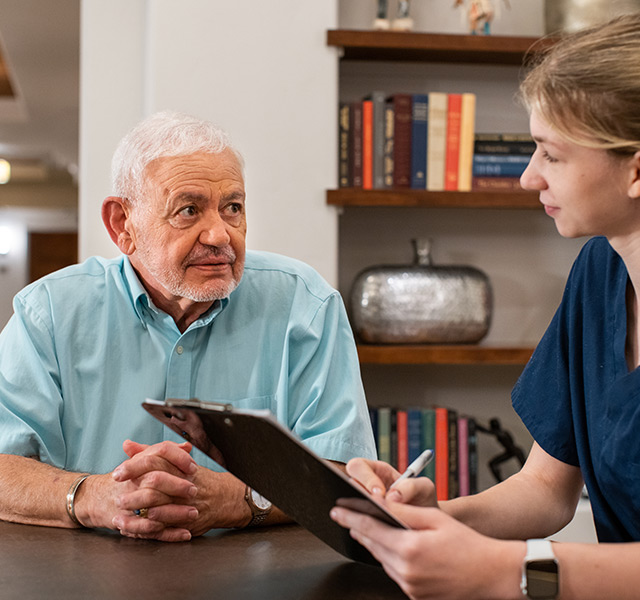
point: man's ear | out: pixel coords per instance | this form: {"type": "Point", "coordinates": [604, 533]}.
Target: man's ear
{"type": "Point", "coordinates": [116, 213]}
{"type": "Point", "coordinates": [634, 186]}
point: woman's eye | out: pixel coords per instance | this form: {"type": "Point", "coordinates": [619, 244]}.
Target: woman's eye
{"type": "Point", "coordinates": [548, 157]}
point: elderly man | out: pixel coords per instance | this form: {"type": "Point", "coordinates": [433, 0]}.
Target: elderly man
{"type": "Point", "coordinates": [184, 312]}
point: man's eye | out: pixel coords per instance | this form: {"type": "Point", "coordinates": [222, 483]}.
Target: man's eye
{"type": "Point", "coordinates": [187, 211]}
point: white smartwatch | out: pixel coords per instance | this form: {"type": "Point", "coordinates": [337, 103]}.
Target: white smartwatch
{"type": "Point", "coordinates": [540, 571]}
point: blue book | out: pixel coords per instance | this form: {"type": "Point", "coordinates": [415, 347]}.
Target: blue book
{"type": "Point", "coordinates": [420, 113]}
{"type": "Point", "coordinates": [414, 433]}
{"type": "Point", "coordinates": [494, 169]}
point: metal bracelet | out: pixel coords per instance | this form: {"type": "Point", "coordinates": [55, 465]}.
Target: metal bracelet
{"type": "Point", "coordinates": [71, 498]}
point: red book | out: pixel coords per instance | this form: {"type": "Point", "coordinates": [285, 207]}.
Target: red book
{"type": "Point", "coordinates": [452, 151]}
{"type": "Point", "coordinates": [402, 427]}
{"type": "Point", "coordinates": [367, 144]}
{"type": "Point", "coordinates": [442, 453]}
{"type": "Point", "coordinates": [402, 125]}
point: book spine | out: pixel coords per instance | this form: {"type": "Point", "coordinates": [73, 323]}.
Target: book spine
{"type": "Point", "coordinates": [402, 429]}
{"type": "Point", "coordinates": [522, 148]}
{"type": "Point", "coordinates": [393, 443]}
{"type": "Point", "coordinates": [473, 455]}
{"type": "Point", "coordinates": [503, 137]}
{"type": "Point", "coordinates": [384, 434]}
{"type": "Point", "coordinates": [414, 433]}
{"type": "Point", "coordinates": [505, 184]}
{"type": "Point", "coordinates": [367, 144]}
{"type": "Point", "coordinates": [452, 423]}
{"type": "Point", "coordinates": [343, 151]}
{"type": "Point", "coordinates": [467, 136]}
{"type": "Point", "coordinates": [437, 140]}
{"type": "Point", "coordinates": [402, 140]}
{"type": "Point", "coordinates": [452, 146]}
{"type": "Point", "coordinates": [442, 453]}
{"type": "Point", "coordinates": [389, 144]}
{"type": "Point", "coordinates": [463, 456]}
{"type": "Point", "coordinates": [378, 100]}
{"type": "Point", "coordinates": [419, 115]}
{"type": "Point", "coordinates": [495, 169]}
{"type": "Point", "coordinates": [355, 144]}
{"type": "Point", "coordinates": [429, 439]}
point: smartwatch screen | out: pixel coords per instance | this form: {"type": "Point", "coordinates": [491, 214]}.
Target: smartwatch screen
{"type": "Point", "coordinates": [542, 579]}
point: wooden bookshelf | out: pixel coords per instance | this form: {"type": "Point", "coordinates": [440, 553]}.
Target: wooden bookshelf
{"type": "Point", "coordinates": [433, 47]}
{"type": "Point", "coordinates": [422, 198]}
{"type": "Point", "coordinates": [472, 354]}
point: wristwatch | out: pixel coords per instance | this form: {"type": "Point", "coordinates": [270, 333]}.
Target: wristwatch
{"type": "Point", "coordinates": [540, 571]}
{"type": "Point", "coordinates": [259, 505]}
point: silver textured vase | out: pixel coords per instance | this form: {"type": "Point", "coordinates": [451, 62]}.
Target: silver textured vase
{"type": "Point", "coordinates": [421, 303]}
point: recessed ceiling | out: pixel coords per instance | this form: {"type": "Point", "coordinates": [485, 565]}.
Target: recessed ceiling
{"type": "Point", "coordinates": [39, 81]}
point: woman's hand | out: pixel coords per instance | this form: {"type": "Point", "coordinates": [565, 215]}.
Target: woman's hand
{"type": "Point", "coordinates": [377, 477]}
{"type": "Point", "coordinates": [439, 557]}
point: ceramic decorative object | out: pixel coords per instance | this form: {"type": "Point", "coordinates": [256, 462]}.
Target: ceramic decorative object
{"type": "Point", "coordinates": [421, 303]}
{"type": "Point", "coordinates": [572, 15]}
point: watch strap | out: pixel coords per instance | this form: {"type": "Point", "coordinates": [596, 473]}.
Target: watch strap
{"type": "Point", "coordinates": [258, 515]}
{"type": "Point", "coordinates": [537, 550]}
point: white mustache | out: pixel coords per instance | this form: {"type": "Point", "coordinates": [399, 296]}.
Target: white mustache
{"type": "Point", "coordinates": [207, 253]}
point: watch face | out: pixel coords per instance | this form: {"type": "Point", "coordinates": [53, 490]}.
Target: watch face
{"type": "Point", "coordinates": [260, 501]}
{"type": "Point", "coordinates": [542, 579]}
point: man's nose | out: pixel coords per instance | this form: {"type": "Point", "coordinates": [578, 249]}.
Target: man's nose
{"type": "Point", "coordinates": [214, 231]}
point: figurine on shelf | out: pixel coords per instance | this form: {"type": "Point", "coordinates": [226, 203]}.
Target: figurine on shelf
{"type": "Point", "coordinates": [480, 14]}
{"type": "Point", "coordinates": [402, 22]}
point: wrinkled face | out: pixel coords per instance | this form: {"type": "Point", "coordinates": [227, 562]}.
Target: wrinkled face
{"type": "Point", "coordinates": [189, 227]}
{"type": "Point", "coordinates": [585, 190]}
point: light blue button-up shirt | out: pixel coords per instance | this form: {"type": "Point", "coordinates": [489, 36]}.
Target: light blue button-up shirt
{"type": "Point", "coordinates": [86, 346]}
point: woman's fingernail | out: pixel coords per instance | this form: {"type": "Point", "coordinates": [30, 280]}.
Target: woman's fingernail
{"type": "Point", "coordinates": [394, 496]}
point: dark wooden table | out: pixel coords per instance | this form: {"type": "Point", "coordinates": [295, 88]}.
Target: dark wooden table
{"type": "Point", "coordinates": [283, 563]}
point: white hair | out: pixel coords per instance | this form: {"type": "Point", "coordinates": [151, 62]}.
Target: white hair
{"type": "Point", "coordinates": [163, 134]}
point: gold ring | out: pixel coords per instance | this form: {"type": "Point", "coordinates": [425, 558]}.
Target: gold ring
{"type": "Point", "coordinates": [142, 512]}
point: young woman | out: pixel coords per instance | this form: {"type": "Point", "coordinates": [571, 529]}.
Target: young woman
{"type": "Point", "coordinates": [580, 394]}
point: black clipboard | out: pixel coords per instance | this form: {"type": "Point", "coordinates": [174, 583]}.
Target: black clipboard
{"type": "Point", "coordinates": [254, 447]}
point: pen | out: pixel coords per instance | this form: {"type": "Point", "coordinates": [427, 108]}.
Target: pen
{"type": "Point", "coordinates": [416, 466]}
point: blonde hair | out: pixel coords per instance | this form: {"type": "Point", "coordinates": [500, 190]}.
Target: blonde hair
{"type": "Point", "coordinates": [160, 135]}
{"type": "Point", "coordinates": [587, 86]}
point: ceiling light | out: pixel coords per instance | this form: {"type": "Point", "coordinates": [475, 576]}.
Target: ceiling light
{"type": "Point", "coordinates": [5, 171]}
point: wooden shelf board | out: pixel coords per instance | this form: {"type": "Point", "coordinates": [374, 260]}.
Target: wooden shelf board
{"type": "Point", "coordinates": [433, 47]}
{"type": "Point", "coordinates": [456, 354]}
{"type": "Point", "coordinates": [420, 198]}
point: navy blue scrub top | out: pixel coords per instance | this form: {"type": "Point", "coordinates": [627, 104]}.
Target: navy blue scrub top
{"type": "Point", "coordinates": [579, 400]}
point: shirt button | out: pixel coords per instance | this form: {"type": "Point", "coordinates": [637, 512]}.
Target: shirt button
{"type": "Point", "coordinates": [179, 349]}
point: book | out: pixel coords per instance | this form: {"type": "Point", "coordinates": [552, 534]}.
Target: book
{"type": "Point", "coordinates": [452, 423]}
{"type": "Point", "coordinates": [463, 456]}
{"type": "Point", "coordinates": [497, 169]}
{"type": "Point", "coordinates": [343, 146]}
{"type": "Point", "coordinates": [384, 434]}
{"type": "Point", "coordinates": [437, 140]}
{"type": "Point", "coordinates": [504, 147]}
{"type": "Point", "coordinates": [504, 184]}
{"type": "Point", "coordinates": [389, 144]}
{"type": "Point", "coordinates": [402, 126]}
{"type": "Point", "coordinates": [472, 436]}
{"type": "Point", "coordinates": [442, 453]}
{"type": "Point", "coordinates": [393, 441]}
{"type": "Point", "coordinates": [378, 101]}
{"type": "Point", "coordinates": [452, 145]}
{"type": "Point", "coordinates": [503, 137]}
{"type": "Point", "coordinates": [402, 428]}
{"type": "Point", "coordinates": [429, 439]}
{"type": "Point", "coordinates": [414, 433]}
{"type": "Point", "coordinates": [367, 144]}
{"type": "Point", "coordinates": [355, 144]}
{"type": "Point", "coordinates": [467, 137]}
{"type": "Point", "coordinates": [373, 416]}
{"type": "Point", "coordinates": [419, 114]}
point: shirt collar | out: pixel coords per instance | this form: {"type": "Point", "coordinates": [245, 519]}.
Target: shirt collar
{"type": "Point", "coordinates": [142, 301]}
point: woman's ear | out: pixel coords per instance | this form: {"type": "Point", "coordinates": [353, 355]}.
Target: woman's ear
{"type": "Point", "coordinates": [634, 186]}
{"type": "Point", "coordinates": [116, 213]}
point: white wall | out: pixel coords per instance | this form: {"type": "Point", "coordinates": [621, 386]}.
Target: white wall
{"type": "Point", "coordinates": [261, 70]}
